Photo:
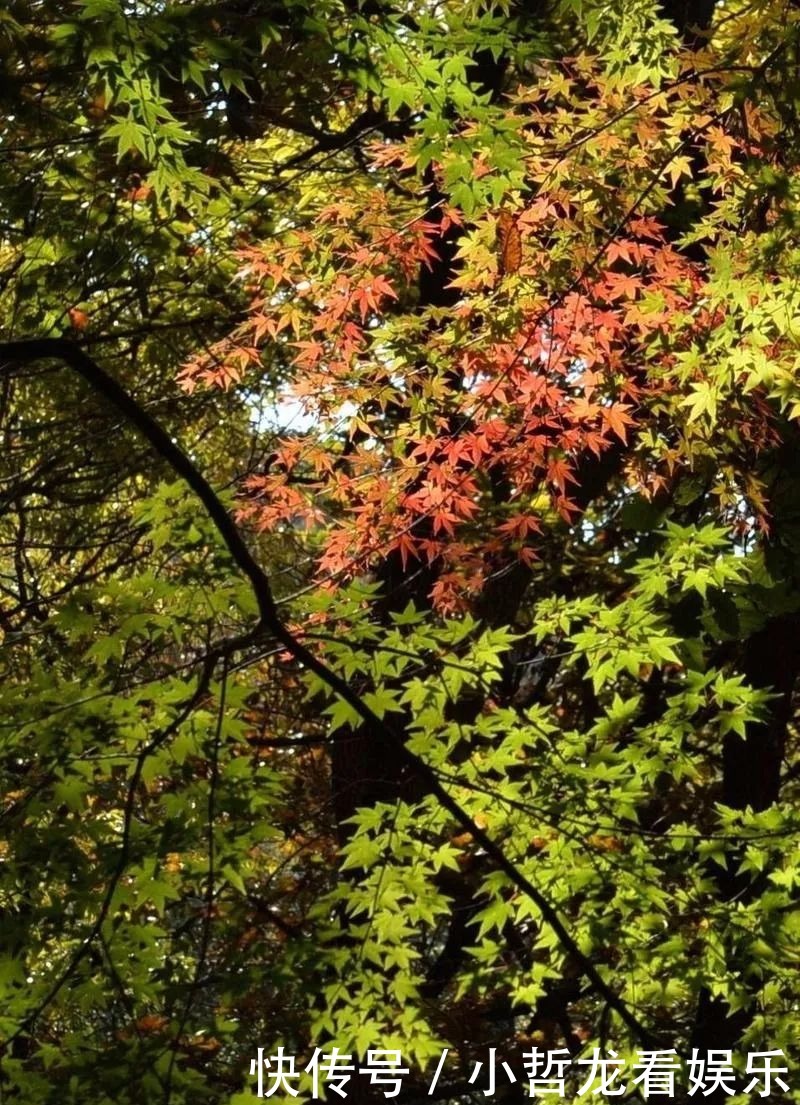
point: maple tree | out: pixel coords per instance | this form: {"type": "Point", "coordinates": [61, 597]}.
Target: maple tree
{"type": "Point", "coordinates": [400, 601]}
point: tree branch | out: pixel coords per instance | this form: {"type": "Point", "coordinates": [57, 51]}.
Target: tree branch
{"type": "Point", "coordinates": [28, 351]}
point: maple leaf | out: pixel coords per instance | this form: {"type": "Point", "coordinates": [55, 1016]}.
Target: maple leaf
{"type": "Point", "coordinates": [622, 285]}
{"type": "Point", "coordinates": [678, 167]}
{"type": "Point", "coordinates": [559, 472]}
{"type": "Point", "coordinates": [520, 526]}
{"type": "Point", "coordinates": [617, 419]}
{"type": "Point", "coordinates": [310, 353]}
{"type": "Point", "coordinates": [583, 409]}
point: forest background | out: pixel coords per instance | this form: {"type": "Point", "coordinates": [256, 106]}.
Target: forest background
{"type": "Point", "coordinates": [399, 583]}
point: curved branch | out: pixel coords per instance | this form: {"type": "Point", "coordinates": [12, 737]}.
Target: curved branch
{"type": "Point", "coordinates": [62, 349]}
{"type": "Point", "coordinates": [27, 351]}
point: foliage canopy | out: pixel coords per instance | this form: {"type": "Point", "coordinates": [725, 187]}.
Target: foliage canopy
{"type": "Point", "coordinates": [400, 530]}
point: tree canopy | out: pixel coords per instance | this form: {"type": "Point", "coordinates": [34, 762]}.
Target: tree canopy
{"type": "Point", "coordinates": [399, 544]}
